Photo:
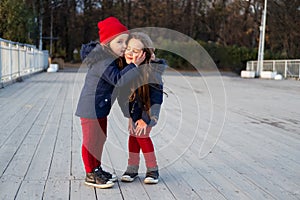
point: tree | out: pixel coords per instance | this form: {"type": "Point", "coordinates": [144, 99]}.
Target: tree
{"type": "Point", "coordinates": [16, 21]}
{"type": "Point", "coordinates": [225, 22]}
{"type": "Point", "coordinates": [283, 24]}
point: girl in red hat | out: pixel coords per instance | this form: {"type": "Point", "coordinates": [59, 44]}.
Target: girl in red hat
{"type": "Point", "coordinates": [95, 100]}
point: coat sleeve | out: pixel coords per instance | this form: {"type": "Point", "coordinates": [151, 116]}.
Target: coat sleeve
{"type": "Point", "coordinates": [117, 77]}
{"type": "Point", "coordinates": [156, 99]}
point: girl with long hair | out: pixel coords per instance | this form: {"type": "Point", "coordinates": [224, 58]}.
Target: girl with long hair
{"type": "Point", "coordinates": [144, 102]}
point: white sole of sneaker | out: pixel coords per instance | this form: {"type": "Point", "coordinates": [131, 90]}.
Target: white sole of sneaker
{"type": "Point", "coordinates": [109, 184]}
{"type": "Point", "coordinates": [128, 178]}
{"type": "Point", "coordinates": [150, 180]}
{"type": "Point", "coordinates": [114, 178]}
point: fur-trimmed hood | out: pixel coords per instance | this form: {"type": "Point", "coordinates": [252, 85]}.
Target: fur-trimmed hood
{"type": "Point", "coordinates": [94, 52]}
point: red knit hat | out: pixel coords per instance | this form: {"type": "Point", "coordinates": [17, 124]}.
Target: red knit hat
{"type": "Point", "coordinates": [109, 28]}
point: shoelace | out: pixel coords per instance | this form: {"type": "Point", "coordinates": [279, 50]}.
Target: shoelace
{"type": "Point", "coordinates": [100, 174]}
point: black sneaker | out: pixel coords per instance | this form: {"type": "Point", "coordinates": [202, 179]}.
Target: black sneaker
{"type": "Point", "coordinates": [151, 177]}
{"type": "Point", "coordinates": [109, 176]}
{"type": "Point", "coordinates": [98, 180]}
{"type": "Point", "coordinates": [129, 177]}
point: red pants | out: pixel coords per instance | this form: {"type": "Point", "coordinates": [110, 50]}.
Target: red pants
{"type": "Point", "coordinates": [94, 137]}
{"type": "Point", "coordinates": [135, 144]}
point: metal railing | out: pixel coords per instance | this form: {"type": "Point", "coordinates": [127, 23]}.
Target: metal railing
{"type": "Point", "coordinates": [17, 60]}
{"type": "Point", "coordinates": [287, 68]}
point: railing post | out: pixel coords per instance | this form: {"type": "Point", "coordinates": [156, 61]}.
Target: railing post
{"type": "Point", "coordinates": [25, 57]}
{"type": "Point", "coordinates": [19, 63]}
{"type": "Point", "coordinates": [30, 56]}
{"type": "Point", "coordinates": [298, 72]}
{"type": "Point", "coordinates": [285, 68]}
{"type": "Point", "coordinates": [10, 61]}
{"type": "Point", "coordinates": [33, 60]}
{"type": "Point", "coordinates": [1, 84]}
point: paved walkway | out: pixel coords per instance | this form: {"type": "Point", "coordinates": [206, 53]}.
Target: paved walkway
{"type": "Point", "coordinates": [236, 139]}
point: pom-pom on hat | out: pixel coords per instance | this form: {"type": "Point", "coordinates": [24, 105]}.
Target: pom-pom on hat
{"type": "Point", "coordinates": [109, 28]}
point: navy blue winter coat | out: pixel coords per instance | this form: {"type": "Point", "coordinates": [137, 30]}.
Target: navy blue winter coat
{"type": "Point", "coordinates": [102, 77]}
{"type": "Point", "coordinates": [135, 109]}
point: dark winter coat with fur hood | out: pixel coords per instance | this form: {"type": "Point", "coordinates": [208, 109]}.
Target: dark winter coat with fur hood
{"type": "Point", "coordinates": [102, 77]}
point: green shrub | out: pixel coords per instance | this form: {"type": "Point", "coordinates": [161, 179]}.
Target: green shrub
{"type": "Point", "coordinates": [232, 58]}
{"type": "Point", "coordinates": [229, 58]}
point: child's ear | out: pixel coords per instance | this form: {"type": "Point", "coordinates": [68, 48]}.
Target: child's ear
{"type": "Point", "coordinates": [153, 56]}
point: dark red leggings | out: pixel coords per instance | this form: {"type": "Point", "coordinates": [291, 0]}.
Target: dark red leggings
{"type": "Point", "coordinates": [94, 137]}
{"type": "Point", "coordinates": [135, 144]}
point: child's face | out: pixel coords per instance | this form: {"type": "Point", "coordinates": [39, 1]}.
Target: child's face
{"type": "Point", "coordinates": [118, 44]}
{"type": "Point", "coordinates": [134, 48]}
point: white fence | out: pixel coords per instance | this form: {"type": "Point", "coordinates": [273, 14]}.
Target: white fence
{"type": "Point", "coordinates": [287, 68]}
{"type": "Point", "coordinates": [17, 60]}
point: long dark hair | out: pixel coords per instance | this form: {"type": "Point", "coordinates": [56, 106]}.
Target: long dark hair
{"type": "Point", "coordinates": [142, 82]}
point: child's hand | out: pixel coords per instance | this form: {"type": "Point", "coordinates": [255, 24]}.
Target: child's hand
{"type": "Point", "coordinates": [137, 60]}
{"type": "Point", "coordinates": [141, 127]}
